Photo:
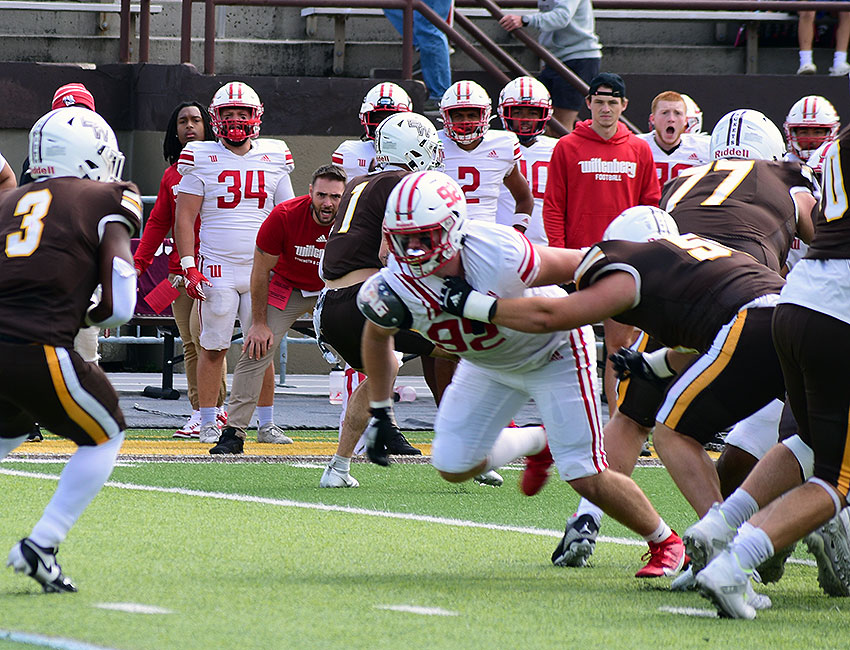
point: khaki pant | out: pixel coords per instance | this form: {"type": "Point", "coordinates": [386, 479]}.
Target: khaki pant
{"type": "Point", "coordinates": [248, 375]}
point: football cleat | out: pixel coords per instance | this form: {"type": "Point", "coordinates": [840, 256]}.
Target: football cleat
{"type": "Point", "coordinates": [272, 433]}
{"type": "Point", "coordinates": [727, 585]}
{"type": "Point", "coordinates": [35, 435]}
{"type": "Point", "coordinates": [399, 446]}
{"type": "Point", "coordinates": [490, 477]}
{"type": "Point", "coordinates": [40, 564]}
{"type": "Point", "coordinates": [192, 427]}
{"type": "Point", "coordinates": [578, 542]}
{"type": "Point", "coordinates": [536, 472]}
{"type": "Point", "coordinates": [334, 477]}
{"type": "Point", "coordinates": [664, 558]}
{"type": "Point", "coordinates": [831, 548]}
{"type": "Point", "coordinates": [685, 581]}
{"type": "Point", "coordinates": [773, 568]}
{"type": "Point", "coordinates": [209, 433]}
{"type": "Point", "coordinates": [228, 443]}
{"type": "Point", "coordinates": [708, 537]}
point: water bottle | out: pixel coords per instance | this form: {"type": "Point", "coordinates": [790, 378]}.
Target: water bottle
{"type": "Point", "coordinates": [336, 380]}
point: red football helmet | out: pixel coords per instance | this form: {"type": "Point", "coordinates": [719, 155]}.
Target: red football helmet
{"type": "Point", "coordinates": [236, 95]}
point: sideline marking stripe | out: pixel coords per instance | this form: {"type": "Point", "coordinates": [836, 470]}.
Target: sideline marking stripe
{"type": "Point", "coordinates": [133, 608]}
{"type": "Point", "coordinates": [689, 611]}
{"type": "Point", "coordinates": [48, 641]}
{"type": "Point", "coordinates": [462, 523]}
{"type": "Point", "coordinates": [414, 609]}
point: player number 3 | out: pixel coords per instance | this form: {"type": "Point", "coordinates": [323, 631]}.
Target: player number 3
{"type": "Point", "coordinates": [33, 207]}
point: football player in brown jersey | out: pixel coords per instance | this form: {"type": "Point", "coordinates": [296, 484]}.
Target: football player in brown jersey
{"type": "Point", "coordinates": [64, 234]}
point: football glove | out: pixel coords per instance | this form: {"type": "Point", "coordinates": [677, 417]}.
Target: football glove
{"type": "Point", "coordinates": [629, 363]}
{"type": "Point", "coordinates": [460, 299]}
{"type": "Point", "coordinates": [380, 430]}
{"type": "Point", "coordinates": [195, 281]}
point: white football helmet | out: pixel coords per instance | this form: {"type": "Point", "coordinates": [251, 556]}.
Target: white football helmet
{"type": "Point", "coordinates": [380, 102]}
{"type": "Point", "coordinates": [465, 94]}
{"type": "Point", "coordinates": [641, 223]}
{"type": "Point", "coordinates": [77, 142]}
{"type": "Point", "coordinates": [525, 92]}
{"type": "Point", "coordinates": [811, 111]}
{"type": "Point", "coordinates": [424, 221]}
{"type": "Point", "coordinates": [746, 133]}
{"type": "Point", "coordinates": [236, 95]}
{"type": "Point", "coordinates": [694, 115]}
{"type": "Point", "coordinates": [408, 139]}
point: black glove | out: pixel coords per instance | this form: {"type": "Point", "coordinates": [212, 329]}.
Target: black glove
{"type": "Point", "coordinates": [381, 429]}
{"type": "Point", "coordinates": [628, 363]}
{"type": "Point", "coordinates": [454, 294]}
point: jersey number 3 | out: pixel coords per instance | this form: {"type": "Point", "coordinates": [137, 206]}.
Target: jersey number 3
{"type": "Point", "coordinates": [32, 207]}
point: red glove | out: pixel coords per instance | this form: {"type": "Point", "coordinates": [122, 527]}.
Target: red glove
{"type": "Point", "coordinates": [195, 281]}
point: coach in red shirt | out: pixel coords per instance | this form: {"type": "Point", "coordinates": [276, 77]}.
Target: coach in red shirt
{"type": "Point", "coordinates": [284, 285]}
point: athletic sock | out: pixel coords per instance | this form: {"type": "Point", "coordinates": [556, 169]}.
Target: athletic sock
{"type": "Point", "coordinates": [805, 57]}
{"type": "Point", "coordinates": [265, 414]}
{"type": "Point", "coordinates": [739, 507]}
{"type": "Point", "coordinates": [514, 443]}
{"type": "Point", "coordinates": [207, 415]}
{"type": "Point", "coordinates": [659, 534]}
{"type": "Point", "coordinates": [585, 507]}
{"type": "Point", "coordinates": [752, 549]}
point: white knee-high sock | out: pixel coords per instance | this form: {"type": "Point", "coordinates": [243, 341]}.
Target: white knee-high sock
{"type": "Point", "coordinates": [515, 442]}
{"type": "Point", "coordinates": [8, 445]}
{"type": "Point", "coordinates": [586, 507]}
{"type": "Point", "coordinates": [81, 480]}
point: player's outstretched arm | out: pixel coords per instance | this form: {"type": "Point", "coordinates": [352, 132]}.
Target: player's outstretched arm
{"type": "Point", "coordinates": [117, 279]}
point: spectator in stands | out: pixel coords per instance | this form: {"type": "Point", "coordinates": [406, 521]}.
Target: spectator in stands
{"type": "Point", "coordinates": [285, 283]}
{"type": "Point", "coordinates": [596, 172]}
{"type": "Point", "coordinates": [806, 39]}
{"type": "Point", "coordinates": [189, 122]}
{"type": "Point", "coordinates": [7, 176]}
{"type": "Point", "coordinates": [567, 30]}
{"type": "Point", "coordinates": [433, 48]}
{"type": "Point", "coordinates": [233, 183]}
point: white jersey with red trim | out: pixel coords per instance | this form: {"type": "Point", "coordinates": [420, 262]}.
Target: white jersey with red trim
{"type": "Point", "coordinates": [481, 172]}
{"type": "Point", "coordinates": [238, 192]}
{"type": "Point", "coordinates": [692, 151]}
{"type": "Point", "coordinates": [498, 261]}
{"type": "Point", "coordinates": [356, 157]}
{"type": "Point", "coordinates": [534, 165]}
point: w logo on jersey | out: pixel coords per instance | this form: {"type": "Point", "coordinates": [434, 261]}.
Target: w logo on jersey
{"type": "Point", "coordinates": [214, 270]}
{"type": "Point", "coordinates": [213, 158]}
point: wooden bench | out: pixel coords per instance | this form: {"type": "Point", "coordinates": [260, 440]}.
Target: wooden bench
{"type": "Point", "coordinates": [751, 19]}
{"type": "Point", "coordinates": [97, 7]}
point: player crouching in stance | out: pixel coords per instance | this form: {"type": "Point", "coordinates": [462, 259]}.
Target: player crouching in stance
{"type": "Point", "coordinates": [430, 238]}
{"type": "Point", "coordinates": [64, 234]}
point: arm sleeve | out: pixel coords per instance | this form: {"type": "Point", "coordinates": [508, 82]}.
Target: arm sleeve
{"type": "Point", "coordinates": [557, 18]}
{"type": "Point", "coordinates": [160, 221]}
{"type": "Point", "coordinates": [555, 199]}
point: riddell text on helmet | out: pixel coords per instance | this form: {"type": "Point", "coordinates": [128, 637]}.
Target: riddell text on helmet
{"type": "Point", "coordinates": [732, 152]}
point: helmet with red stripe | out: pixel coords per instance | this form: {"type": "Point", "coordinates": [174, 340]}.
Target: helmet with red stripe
{"type": "Point", "coordinates": [234, 128]}
{"type": "Point", "coordinates": [693, 115]}
{"type": "Point", "coordinates": [424, 222]}
{"type": "Point", "coordinates": [379, 103]}
{"type": "Point", "coordinates": [811, 121]}
{"type": "Point", "coordinates": [465, 108]}
{"type": "Point", "coordinates": [525, 93]}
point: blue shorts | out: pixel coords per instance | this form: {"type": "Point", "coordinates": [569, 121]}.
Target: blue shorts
{"type": "Point", "coordinates": [564, 94]}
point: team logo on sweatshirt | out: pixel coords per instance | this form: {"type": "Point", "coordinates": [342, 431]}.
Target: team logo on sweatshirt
{"type": "Point", "coordinates": [608, 170]}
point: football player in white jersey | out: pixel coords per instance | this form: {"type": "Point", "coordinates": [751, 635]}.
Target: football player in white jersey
{"type": "Point", "coordinates": [481, 160]}
{"type": "Point", "coordinates": [357, 157]}
{"type": "Point", "coordinates": [811, 122]}
{"type": "Point", "coordinates": [673, 148]}
{"type": "Point", "coordinates": [525, 107]}
{"type": "Point", "coordinates": [233, 183]}
{"type": "Point", "coordinates": [430, 238]}
{"type": "Point", "coordinates": [694, 114]}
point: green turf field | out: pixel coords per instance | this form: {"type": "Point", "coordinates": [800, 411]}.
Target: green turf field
{"type": "Point", "coordinates": [255, 555]}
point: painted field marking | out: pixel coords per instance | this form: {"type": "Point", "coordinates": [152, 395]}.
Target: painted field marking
{"type": "Point", "coordinates": [133, 608]}
{"type": "Point", "coordinates": [413, 609]}
{"type": "Point", "coordinates": [689, 611]}
{"type": "Point", "coordinates": [58, 643]}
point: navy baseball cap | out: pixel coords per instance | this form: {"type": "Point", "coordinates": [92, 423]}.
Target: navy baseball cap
{"type": "Point", "coordinates": [613, 81]}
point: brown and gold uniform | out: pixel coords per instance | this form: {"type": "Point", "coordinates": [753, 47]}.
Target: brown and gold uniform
{"type": "Point", "coordinates": [695, 294]}
{"type": "Point", "coordinates": [355, 243]}
{"type": "Point", "coordinates": [51, 231]}
{"type": "Point", "coordinates": [811, 328]}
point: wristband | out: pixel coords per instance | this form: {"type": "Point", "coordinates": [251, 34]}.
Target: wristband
{"type": "Point", "coordinates": [187, 262]}
{"type": "Point", "coordinates": [657, 361]}
{"type": "Point", "coordinates": [521, 219]}
{"type": "Point", "coordinates": [479, 307]}
{"type": "Point", "coordinates": [383, 404]}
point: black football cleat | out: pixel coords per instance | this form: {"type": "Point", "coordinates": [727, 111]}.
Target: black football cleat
{"type": "Point", "coordinates": [40, 564]}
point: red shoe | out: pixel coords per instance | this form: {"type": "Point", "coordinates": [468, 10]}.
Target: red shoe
{"type": "Point", "coordinates": [536, 472]}
{"type": "Point", "coordinates": [665, 558]}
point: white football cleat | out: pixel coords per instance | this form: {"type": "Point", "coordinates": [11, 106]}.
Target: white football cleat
{"type": "Point", "coordinates": [209, 433]}
{"type": "Point", "coordinates": [830, 544]}
{"type": "Point", "coordinates": [333, 477]}
{"type": "Point", "coordinates": [708, 537]}
{"type": "Point", "coordinates": [272, 433]}
{"type": "Point", "coordinates": [490, 477]}
{"type": "Point", "coordinates": [727, 585]}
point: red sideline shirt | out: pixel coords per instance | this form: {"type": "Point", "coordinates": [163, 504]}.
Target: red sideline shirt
{"type": "Point", "coordinates": [290, 232]}
{"type": "Point", "coordinates": [160, 222]}
{"type": "Point", "coordinates": [592, 180]}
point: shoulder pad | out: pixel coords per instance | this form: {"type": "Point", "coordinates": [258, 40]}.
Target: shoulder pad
{"type": "Point", "coordinates": [383, 306]}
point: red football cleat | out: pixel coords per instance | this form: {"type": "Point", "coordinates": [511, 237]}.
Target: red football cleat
{"type": "Point", "coordinates": [665, 558]}
{"type": "Point", "coordinates": [536, 472]}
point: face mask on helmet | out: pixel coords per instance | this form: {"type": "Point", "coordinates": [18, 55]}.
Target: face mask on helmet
{"type": "Point", "coordinates": [74, 142]}
{"type": "Point", "coordinates": [811, 122]}
{"type": "Point", "coordinates": [465, 109]}
{"type": "Point", "coordinates": [525, 107]}
{"type": "Point", "coordinates": [408, 139]}
{"type": "Point", "coordinates": [423, 222]}
{"type": "Point", "coordinates": [641, 223]}
{"type": "Point", "coordinates": [747, 134]}
{"type": "Point", "coordinates": [379, 103]}
{"type": "Point", "coordinates": [693, 114]}
{"type": "Point", "coordinates": [225, 123]}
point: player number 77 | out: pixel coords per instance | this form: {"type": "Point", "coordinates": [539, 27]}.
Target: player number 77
{"type": "Point", "coordinates": [738, 170]}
